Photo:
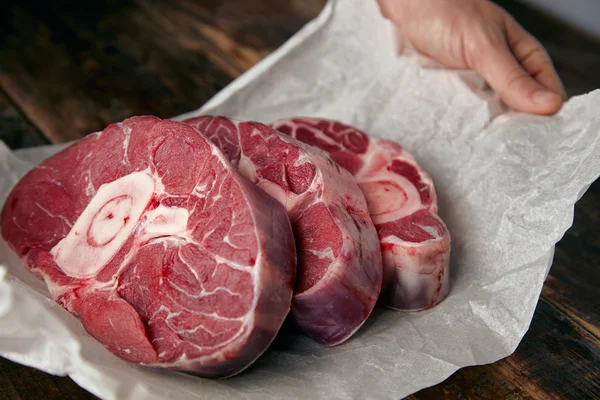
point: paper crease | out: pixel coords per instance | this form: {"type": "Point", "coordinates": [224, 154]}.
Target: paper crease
{"type": "Point", "coordinates": [506, 184]}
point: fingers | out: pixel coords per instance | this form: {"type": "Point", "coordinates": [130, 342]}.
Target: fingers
{"type": "Point", "coordinates": [479, 35]}
{"type": "Point", "coordinates": [516, 87]}
{"type": "Point", "coordinates": [521, 72]}
{"type": "Point", "coordinates": [532, 56]}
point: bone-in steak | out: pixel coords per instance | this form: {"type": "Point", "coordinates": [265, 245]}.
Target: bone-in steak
{"type": "Point", "coordinates": [403, 205]}
{"type": "Point", "coordinates": [339, 259]}
{"type": "Point", "coordinates": [151, 237]}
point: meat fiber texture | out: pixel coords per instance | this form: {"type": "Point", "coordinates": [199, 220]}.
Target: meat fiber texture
{"type": "Point", "coordinates": [339, 265]}
{"type": "Point", "coordinates": [173, 262]}
{"type": "Point", "coordinates": [506, 185]}
{"type": "Point", "coordinates": [403, 205]}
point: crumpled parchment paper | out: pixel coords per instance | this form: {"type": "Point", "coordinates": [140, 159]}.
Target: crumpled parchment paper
{"type": "Point", "coordinates": [507, 184]}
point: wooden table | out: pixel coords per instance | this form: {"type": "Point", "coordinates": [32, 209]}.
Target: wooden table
{"type": "Point", "coordinates": [70, 69]}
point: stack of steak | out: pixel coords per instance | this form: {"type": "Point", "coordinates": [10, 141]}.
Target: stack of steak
{"type": "Point", "coordinates": [184, 245]}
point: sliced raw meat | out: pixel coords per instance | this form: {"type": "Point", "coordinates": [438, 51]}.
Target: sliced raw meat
{"type": "Point", "coordinates": [339, 261]}
{"type": "Point", "coordinates": [168, 255]}
{"type": "Point", "coordinates": [403, 205]}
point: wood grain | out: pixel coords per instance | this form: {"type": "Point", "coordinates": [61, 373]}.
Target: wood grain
{"type": "Point", "coordinates": [574, 280]}
{"type": "Point", "coordinates": [68, 69]}
{"type": "Point", "coordinates": [73, 68]}
{"type": "Point", "coordinates": [557, 359]}
{"type": "Point", "coordinates": [15, 130]}
{"type": "Point", "coordinates": [18, 382]}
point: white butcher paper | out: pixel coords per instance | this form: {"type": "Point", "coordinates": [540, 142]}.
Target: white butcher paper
{"type": "Point", "coordinates": [506, 184]}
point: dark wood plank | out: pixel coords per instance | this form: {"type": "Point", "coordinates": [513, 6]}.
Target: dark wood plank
{"type": "Point", "coordinates": [75, 67]}
{"type": "Point", "coordinates": [235, 34]}
{"type": "Point", "coordinates": [557, 359]}
{"type": "Point", "coordinates": [18, 382]}
{"type": "Point", "coordinates": [15, 130]}
{"type": "Point", "coordinates": [574, 280]}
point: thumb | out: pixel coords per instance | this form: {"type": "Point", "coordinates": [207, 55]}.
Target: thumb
{"type": "Point", "coordinates": [515, 86]}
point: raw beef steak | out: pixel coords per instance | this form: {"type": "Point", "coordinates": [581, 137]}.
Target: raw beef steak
{"type": "Point", "coordinates": [403, 205]}
{"type": "Point", "coordinates": [168, 255]}
{"type": "Point", "coordinates": [339, 261]}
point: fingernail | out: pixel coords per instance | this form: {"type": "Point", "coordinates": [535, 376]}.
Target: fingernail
{"type": "Point", "coordinates": [545, 97]}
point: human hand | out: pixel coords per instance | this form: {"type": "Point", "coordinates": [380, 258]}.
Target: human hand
{"type": "Point", "coordinates": [479, 35]}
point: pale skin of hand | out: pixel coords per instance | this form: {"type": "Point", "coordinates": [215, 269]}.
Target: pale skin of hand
{"type": "Point", "coordinates": [479, 35]}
